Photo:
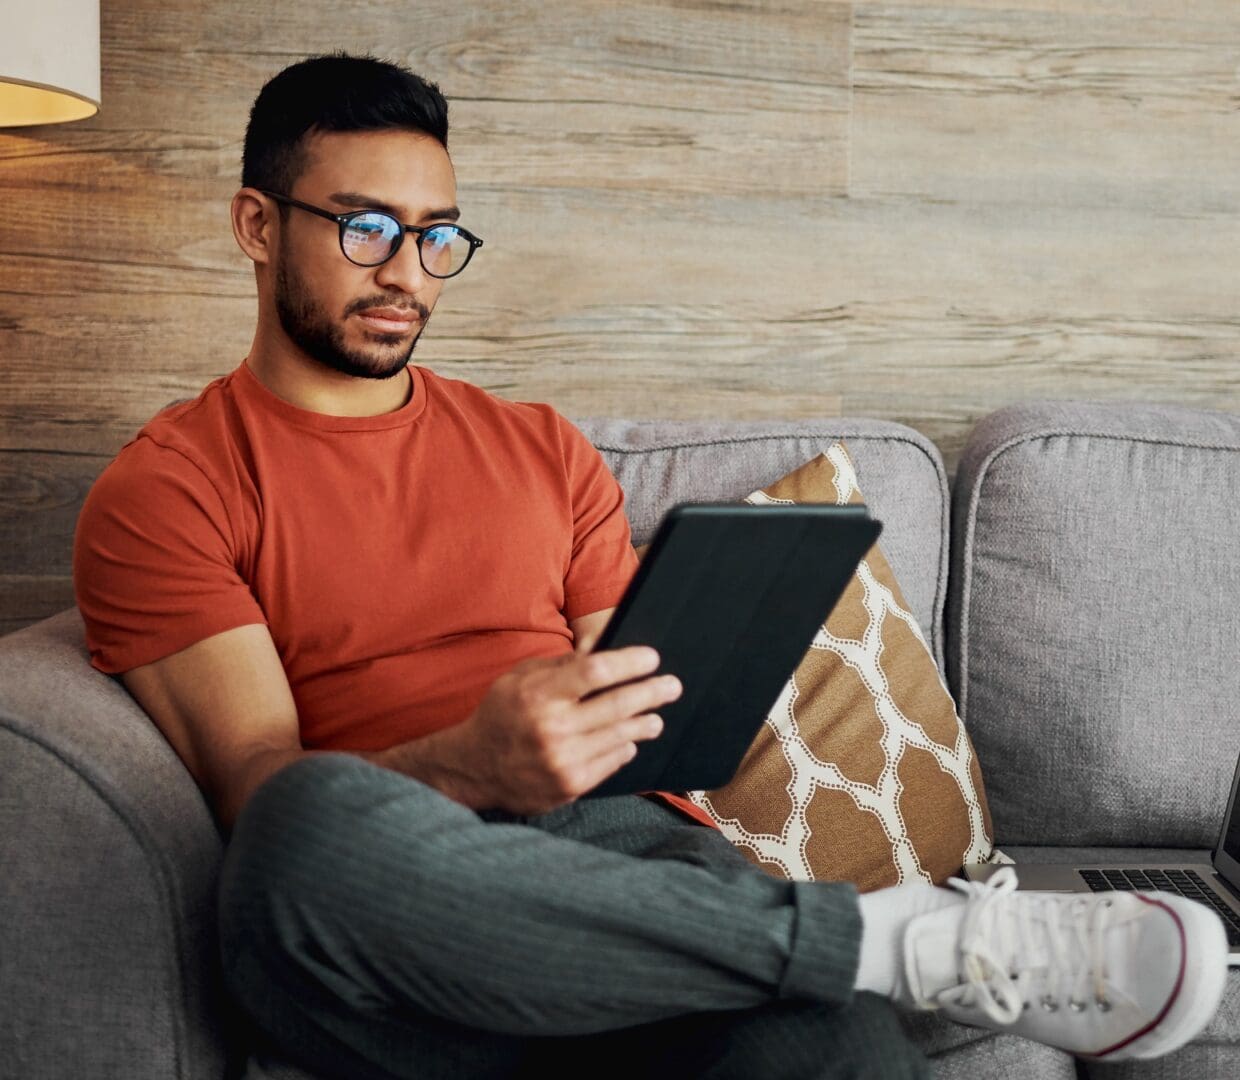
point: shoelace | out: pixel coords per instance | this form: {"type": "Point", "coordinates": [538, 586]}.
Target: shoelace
{"type": "Point", "coordinates": [999, 941]}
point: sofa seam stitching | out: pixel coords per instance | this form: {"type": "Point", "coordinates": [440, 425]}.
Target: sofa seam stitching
{"type": "Point", "coordinates": [900, 436]}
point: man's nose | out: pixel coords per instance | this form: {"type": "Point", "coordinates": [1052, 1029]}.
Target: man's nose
{"type": "Point", "coordinates": [404, 269]}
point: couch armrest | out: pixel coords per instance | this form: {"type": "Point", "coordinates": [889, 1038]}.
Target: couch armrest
{"type": "Point", "coordinates": [109, 858]}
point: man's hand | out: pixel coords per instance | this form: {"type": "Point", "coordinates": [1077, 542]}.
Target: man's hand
{"type": "Point", "coordinates": [534, 744]}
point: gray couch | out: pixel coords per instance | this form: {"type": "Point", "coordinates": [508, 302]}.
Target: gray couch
{"type": "Point", "coordinates": [1080, 587]}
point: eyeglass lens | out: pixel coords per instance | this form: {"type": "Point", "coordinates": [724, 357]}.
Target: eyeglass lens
{"type": "Point", "coordinates": [369, 238]}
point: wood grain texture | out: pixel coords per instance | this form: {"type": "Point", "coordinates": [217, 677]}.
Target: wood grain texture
{"type": "Point", "coordinates": [27, 600]}
{"type": "Point", "coordinates": [1136, 11]}
{"type": "Point", "coordinates": [1097, 159]}
{"type": "Point", "coordinates": [918, 211]}
{"type": "Point", "coordinates": [569, 124]}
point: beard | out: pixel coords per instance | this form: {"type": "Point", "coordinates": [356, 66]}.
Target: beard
{"type": "Point", "coordinates": [311, 330]}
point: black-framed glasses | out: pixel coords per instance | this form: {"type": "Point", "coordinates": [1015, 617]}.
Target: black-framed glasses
{"type": "Point", "coordinates": [371, 237]}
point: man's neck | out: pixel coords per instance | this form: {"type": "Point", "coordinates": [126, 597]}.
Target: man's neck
{"type": "Point", "coordinates": [333, 393]}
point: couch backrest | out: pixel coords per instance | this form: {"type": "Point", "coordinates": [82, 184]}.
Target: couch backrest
{"type": "Point", "coordinates": [899, 470]}
{"type": "Point", "coordinates": [1093, 630]}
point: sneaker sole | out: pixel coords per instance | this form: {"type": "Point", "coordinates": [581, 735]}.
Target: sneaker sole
{"type": "Point", "coordinates": [1203, 968]}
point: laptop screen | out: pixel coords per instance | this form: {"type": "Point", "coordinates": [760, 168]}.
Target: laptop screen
{"type": "Point", "coordinates": [1227, 856]}
{"type": "Point", "coordinates": [1231, 838]}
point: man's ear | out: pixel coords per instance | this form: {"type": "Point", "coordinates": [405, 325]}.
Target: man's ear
{"type": "Point", "coordinates": [254, 227]}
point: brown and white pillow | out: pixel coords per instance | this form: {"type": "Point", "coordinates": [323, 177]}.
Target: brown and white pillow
{"type": "Point", "coordinates": [863, 771]}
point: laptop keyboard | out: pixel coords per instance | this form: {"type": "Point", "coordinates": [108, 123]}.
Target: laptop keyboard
{"type": "Point", "coordinates": [1185, 882]}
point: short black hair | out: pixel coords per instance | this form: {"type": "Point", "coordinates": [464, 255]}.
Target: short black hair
{"type": "Point", "coordinates": [332, 92]}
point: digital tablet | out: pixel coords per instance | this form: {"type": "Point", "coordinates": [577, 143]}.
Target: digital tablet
{"type": "Point", "coordinates": [731, 595]}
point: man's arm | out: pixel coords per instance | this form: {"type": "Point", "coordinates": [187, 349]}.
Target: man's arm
{"type": "Point", "coordinates": [586, 628]}
{"type": "Point", "coordinates": [226, 707]}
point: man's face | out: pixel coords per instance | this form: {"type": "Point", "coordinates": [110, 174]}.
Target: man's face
{"type": "Point", "coordinates": [318, 293]}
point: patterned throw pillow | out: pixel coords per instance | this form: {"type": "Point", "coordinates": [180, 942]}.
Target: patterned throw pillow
{"type": "Point", "coordinates": [863, 771]}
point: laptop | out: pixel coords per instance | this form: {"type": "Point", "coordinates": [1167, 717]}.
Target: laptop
{"type": "Point", "coordinates": [1216, 883]}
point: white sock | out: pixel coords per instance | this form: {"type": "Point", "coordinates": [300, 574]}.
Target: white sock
{"type": "Point", "coordinates": [884, 915]}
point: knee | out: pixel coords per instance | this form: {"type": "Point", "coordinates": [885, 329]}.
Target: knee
{"type": "Point", "coordinates": [307, 787]}
{"type": "Point", "coordinates": [275, 833]}
{"type": "Point", "coordinates": [287, 808]}
{"type": "Point", "coordinates": [325, 818]}
{"type": "Point", "coordinates": [333, 794]}
{"type": "Point", "coordinates": [287, 837]}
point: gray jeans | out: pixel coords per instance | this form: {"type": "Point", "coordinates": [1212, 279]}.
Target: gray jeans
{"type": "Point", "coordinates": [371, 927]}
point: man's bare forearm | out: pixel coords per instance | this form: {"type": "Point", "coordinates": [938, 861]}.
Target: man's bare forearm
{"type": "Point", "coordinates": [436, 760]}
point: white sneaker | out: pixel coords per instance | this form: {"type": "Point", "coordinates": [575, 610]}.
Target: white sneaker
{"type": "Point", "coordinates": [1101, 975]}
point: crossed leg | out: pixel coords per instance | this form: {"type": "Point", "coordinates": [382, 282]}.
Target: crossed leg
{"type": "Point", "coordinates": [372, 927]}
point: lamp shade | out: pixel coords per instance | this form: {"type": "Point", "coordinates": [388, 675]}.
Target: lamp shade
{"type": "Point", "coordinates": [49, 61]}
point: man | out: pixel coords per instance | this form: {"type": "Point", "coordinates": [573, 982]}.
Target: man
{"type": "Point", "coordinates": [358, 599]}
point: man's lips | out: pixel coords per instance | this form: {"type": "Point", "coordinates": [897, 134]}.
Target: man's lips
{"type": "Point", "coordinates": [389, 318]}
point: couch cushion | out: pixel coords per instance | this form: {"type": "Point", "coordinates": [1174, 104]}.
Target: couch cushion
{"type": "Point", "coordinates": [862, 771]}
{"type": "Point", "coordinates": [661, 462]}
{"type": "Point", "coordinates": [970, 1053]}
{"type": "Point", "coordinates": [1092, 619]}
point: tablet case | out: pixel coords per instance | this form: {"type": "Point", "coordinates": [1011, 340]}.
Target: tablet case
{"type": "Point", "coordinates": [731, 595]}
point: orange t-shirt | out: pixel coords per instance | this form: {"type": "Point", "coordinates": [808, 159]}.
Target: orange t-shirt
{"type": "Point", "coordinates": [402, 562]}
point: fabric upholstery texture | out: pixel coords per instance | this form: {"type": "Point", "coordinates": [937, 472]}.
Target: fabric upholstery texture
{"type": "Point", "coordinates": [862, 771]}
{"type": "Point", "coordinates": [109, 858]}
{"type": "Point", "coordinates": [1093, 628]}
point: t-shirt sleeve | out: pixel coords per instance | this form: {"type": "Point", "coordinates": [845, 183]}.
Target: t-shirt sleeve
{"type": "Point", "coordinates": [154, 569]}
{"type": "Point", "coordinates": [603, 560]}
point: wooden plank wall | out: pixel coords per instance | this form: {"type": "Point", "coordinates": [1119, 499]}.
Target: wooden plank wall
{"type": "Point", "coordinates": [701, 208]}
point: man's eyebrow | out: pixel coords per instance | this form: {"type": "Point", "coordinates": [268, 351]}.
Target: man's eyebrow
{"type": "Point", "coordinates": [369, 202]}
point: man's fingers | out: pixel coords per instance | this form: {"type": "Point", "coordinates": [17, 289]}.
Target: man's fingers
{"type": "Point", "coordinates": [605, 741]}
{"type": "Point", "coordinates": [614, 746]}
{"type": "Point", "coordinates": [639, 728]}
{"type": "Point", "coordinates": [619, 703]}
{"type": "Point", "coordinates": [594, 672]}
{"type": "Point", "coordinates": [602, 767]}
